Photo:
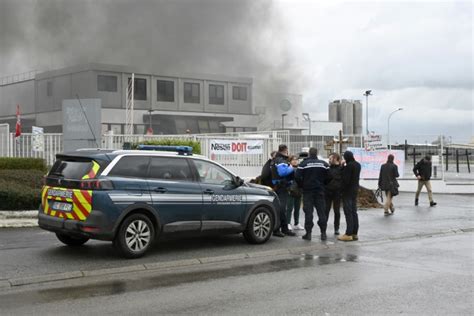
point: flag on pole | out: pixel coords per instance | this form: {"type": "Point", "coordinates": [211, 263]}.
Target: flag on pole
{"type": "Point", "coordinates": [18, 122]}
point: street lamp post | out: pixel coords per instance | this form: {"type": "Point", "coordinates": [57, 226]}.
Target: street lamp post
{"type": "Point", "coordinates": [367, 93]}
{"type": "Point", "coordinates": [306, 117]}
{"type": "Point", "coordinates": [283, 120]}
{"type": "Point", "coordinates": [388, 125]}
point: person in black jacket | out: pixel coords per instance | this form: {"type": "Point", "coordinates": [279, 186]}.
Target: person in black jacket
{"type": "Point", "coordinates": [350, 188]}
{"type": "Point", "coordinates": [387, 182]}
{"type": "Point", "coordinates": [266, 174]}
{"type": "Point", "coordinates": [282, 175]}
{"type": "Point", "coordinates": [333, 190]}
{"type": "Point", "coordinates": [312, 175]}
{"type": "Point", "coordinates": [422, 171]}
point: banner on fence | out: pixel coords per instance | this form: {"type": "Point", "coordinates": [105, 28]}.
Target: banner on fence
{"type": "Point", "coordinates": [374, 142]}
{"type": "Point", "coordinates": [37, 139]}
{"type": "Point", "coordinates": [236, 147]}
{"type": "Point", "coordinates": [371, 161]}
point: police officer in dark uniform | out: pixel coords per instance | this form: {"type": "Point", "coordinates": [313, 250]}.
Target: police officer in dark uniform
{"type": "Point", "coordinates": [282, 173]}
{"type": "Point", "coordinates": [312, 175]}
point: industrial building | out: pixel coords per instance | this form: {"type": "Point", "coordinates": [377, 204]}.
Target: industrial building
{"type": "Point", "coordinates": [349, 112]}
{"type": "Point", "coordinates": [175, 104]}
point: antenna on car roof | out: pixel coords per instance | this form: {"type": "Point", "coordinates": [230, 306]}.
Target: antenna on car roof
{"type": "Point", "coordinates": [88, 123]}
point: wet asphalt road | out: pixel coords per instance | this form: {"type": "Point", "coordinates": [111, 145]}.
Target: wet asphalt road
{"type": "Point", "coordinates": [423, 276]}
{"type": "Point", "coordinates": [420, 275]}
{"type": "Point", "coordinates": [32, 251]}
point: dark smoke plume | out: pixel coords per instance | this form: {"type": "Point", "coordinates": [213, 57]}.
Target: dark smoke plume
{"type": "Point", "coordinates": [233, 37]}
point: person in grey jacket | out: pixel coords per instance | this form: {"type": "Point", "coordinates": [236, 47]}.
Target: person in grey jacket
{"type": "Point", "coordinates": [388, 182]}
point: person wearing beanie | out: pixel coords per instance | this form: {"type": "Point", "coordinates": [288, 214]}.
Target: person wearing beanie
{"type": "Point", "coordinates": [422, 171]}
{"type": "Point", "coordinates": [350, 189]}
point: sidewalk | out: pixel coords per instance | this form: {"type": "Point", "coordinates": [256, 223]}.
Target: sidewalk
{"type": "Point", "coordinates": [438, 186]}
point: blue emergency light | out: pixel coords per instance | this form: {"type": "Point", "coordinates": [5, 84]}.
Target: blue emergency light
{"type": "Point", "coordinates": [182, 150]}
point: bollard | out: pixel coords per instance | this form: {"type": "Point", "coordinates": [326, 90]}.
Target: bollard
{"type": "Point", "coordinates": [435, 171]}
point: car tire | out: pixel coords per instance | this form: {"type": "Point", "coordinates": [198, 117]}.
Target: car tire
{"type": "Point", "coordinates": [135, 236]}
{"type": "Point", "coordinates": [260, 226]}
{"type": "Point", "coordinates": [73, 241]}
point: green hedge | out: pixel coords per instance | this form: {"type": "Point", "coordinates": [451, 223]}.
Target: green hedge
{"type": "Point", "coordinates": [20, 189]}
{"type": "Point", "coordinates": [22, 163]}
{"type": "Point", "coordinates": [173, 142]}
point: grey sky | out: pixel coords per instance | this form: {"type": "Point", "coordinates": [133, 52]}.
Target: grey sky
{"type": "Point", "coordinates": [413, 54]}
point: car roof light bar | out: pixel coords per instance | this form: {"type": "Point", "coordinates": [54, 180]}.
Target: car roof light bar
{"type": "Point", "coordinates": [182, 150]}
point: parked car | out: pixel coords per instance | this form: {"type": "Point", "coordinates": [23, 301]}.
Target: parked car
{"type": "Point", "coordinates": [134, 197]}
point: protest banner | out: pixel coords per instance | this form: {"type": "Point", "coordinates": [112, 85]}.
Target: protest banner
{"type": "Point", "coordinates": [371, 161]}
{"type": "Point", "coordinates": [236, 147]}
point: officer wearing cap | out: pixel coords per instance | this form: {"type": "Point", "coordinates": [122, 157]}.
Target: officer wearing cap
{"type": "Point", "coordinates": [312, 175]}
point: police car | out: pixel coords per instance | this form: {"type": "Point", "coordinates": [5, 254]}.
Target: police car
{"type": "Point", "coordinates": [134, 197]}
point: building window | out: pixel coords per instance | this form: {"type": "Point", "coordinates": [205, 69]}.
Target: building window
{"type": "Point", "coordinates": [239, 93]}
{"type": "Point", "coordinates": [49, 89]}
{"type": "Point", "coordinates": [216, 94]}
{"type": "Point", "coordinates": [191, 93]}
{"type": "Point", "coordinates": [165, 90]}
{"type": "Point", "coordinates": [107, 83]}
{"type": "Point", "coordinates": [139, 91]}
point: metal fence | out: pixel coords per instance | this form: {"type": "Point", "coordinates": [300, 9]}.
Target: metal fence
{"type": "Point", "coordinates": [25, 146]}
{"type": "Point", "coordinates": [244, 165]}
{"type": "Point", "coordinates": [450, 161]}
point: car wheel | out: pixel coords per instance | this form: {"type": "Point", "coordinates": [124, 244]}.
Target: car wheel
{"type": "Point", "coordinates": [72, 240]}
{"type": "Point", "coordinates": [135, 236]}
{"type": "Point", "coordinates": [259, 227]}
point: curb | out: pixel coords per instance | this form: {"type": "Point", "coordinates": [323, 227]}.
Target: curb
{"type": "Point", "coordinates": [17, 282]}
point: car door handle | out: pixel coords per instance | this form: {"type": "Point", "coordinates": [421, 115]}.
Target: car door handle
{"type": "Point", "coordinates": [208, 191]}
{"type": "Point", "coordinates": [160, 190]}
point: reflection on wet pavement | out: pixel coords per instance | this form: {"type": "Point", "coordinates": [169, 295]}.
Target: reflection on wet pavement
{"type": "Point", "coordinates": [118, 287]}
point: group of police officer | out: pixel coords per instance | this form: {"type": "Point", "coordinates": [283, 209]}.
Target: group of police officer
{"type": "Point", "coordinates": [317, 183]}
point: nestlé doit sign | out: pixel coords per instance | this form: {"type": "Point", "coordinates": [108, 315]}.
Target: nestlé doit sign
{"type": "Point", "coordinates": [236, 147]}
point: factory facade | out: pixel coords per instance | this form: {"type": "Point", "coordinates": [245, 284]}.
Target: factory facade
{"type": "Point", "coordinates": [175, 104]}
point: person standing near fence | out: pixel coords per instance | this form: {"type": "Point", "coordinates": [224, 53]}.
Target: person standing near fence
{"type": "Point", "coordinates": [422, 171]}
{"type": "Point", "coordinates": [312, 175]}
{"type": "Point", "coordinates": [388, 183]}
{"type": "Point", "coordinates": [294, 200]}
{"type": "Point", "coordinates": [282, 174]}
{"type": "Point", "coordinates": [333, 190]}
{"type": "Point", "coordinates": [350, 189]}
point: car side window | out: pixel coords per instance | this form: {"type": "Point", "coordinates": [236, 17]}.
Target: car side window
{"type": "Point", "coordinates": [131, 166]}
{"type": "Point", "coordinates": [211, 173]}
{"type": "Point", "coordinates": [171, 169]}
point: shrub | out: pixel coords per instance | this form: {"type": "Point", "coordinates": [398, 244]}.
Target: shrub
{"type": "Point", "coordinates": [29, 178]}
{"type": "Point", "coordinates": [22, 163]}
{"type": "Point", "coordinates": [14, 196]}
{"type": "Point", "coordinates": [20, 189]}
{"type": "Point", "coordinates": [173, 142]}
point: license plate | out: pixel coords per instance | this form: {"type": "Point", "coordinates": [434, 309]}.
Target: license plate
{"type": "Point", "coordinates": [62, 206]}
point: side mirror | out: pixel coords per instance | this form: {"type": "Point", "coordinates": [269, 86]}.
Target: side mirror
{"type": "Point", "coordinates": [239, 181]}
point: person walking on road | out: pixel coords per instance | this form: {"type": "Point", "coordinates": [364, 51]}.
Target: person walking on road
{"type": "Point", "coordinates": [282, 173]}
{"type": "Point", "coordinates": [294, 200]}
{"type": "Point", "coordinates": [388, 183]}
{"type": "Point", "coordinates": [422, 171]}
{"type": "Point", "coordinates": [350, 189]}
{"type": "Point", "coordinates": [312, 175]}
{"type": "Point", "coordinates": [333, 190]}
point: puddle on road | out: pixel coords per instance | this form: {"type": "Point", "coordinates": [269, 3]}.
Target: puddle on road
{"type": "Point", "coordinates": [141, 284]}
